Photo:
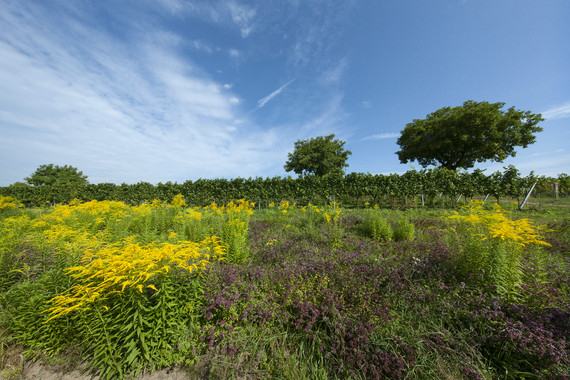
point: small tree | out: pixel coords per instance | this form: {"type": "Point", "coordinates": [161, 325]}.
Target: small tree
{"type": "Point", "coordinates": [56, 175]}
{"type": "Point", "coordinates": [319, 156]}
{"type": "Point", "coordinates": [461, 136]}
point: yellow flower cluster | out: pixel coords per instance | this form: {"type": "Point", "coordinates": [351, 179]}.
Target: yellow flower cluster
{"type": "Point", "coordinates": [284, 207]}
{"type": "Point", "coordinates": [233, 207]}
{"type": "Point", "coordinates": [178, 201]}
{"type": "Point", "coordinates": [332, 215]}
{"type": "Point", "coordinates": [9, 203]}
{"type": "Point", "coordinates": [311, 208]}
{"type": "Point", "coordinates": [82, 215]}
{"type": "Point", "coordinates": [83, 233]}
{"type": "Point", "coordinates": [117, 267]}
{"type": "Point", "coordinates": [498, 226]}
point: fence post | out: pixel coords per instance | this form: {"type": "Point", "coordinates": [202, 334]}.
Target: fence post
{"type": "Point", "coordinates": [528, 195]}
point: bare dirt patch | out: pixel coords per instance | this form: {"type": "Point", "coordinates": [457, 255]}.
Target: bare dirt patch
{"type": "Point", "coordinates": [39, 371]}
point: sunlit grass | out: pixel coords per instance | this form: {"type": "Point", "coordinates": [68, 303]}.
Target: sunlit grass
{"type": "Point", "coordinates": [291, 291]}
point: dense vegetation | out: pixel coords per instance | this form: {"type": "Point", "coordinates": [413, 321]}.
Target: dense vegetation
{"type": "Point", "coordinates": [287, 291]}
{"type": "Point", "coordinates": [428, 187]}
{"type": "Point", "coordinates": [461, 136]}
{"type": "Point", "coordinates": [320, 156]}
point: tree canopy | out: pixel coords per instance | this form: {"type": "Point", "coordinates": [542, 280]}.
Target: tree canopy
{"type": "Point", "coordinates": [459, 137]}
{"type": "Point", "coordinates": [323, 155]}
{"type": "Point", "coordinates": [56, 175]}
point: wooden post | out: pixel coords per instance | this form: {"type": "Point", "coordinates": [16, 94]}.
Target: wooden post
{"type": "Point", "coordinates": [555, 189]}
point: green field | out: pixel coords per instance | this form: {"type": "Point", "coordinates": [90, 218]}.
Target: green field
{"type": "Point", "coordinates": [287, 291]}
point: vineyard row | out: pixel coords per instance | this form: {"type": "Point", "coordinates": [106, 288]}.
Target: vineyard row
{"type": "Point", "coordinates": [351, 189]}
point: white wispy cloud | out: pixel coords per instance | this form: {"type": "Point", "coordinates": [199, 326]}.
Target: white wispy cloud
{"type": "Point", "coordinates": [263, 101]}
{"type": "Point", "coordinates": [317, 31]}
{"type": "Point", "coordinates": [200, 46]}
{"type": "Point", "coordinates": [381, 136]}
{"type": "Point", "coordinates": [329, 117]}
{"type": "Point", "coordinates": [119, 110]}
{"type": "Point", "coordinates": [557, 112]}
{"type": "Point", "coordinates": [221, 12]}
{"type": "Point", "coordinates": [242, 16]}
{"type": "Point", "coordinates": [173, 6]}
{"type": "Point", "coordinates": [334, 74]}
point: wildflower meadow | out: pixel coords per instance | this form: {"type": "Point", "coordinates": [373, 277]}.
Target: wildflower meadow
{"type": "Point", "coordinates": [288, 291]}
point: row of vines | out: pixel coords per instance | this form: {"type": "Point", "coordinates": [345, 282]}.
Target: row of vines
{"type": "Point", "coordinates": [427, 186]}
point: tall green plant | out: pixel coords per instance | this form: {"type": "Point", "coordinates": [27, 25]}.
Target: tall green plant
{"type": "Point", "coordinates": [403, 230]}
{"type": "Point", "coordinates": [492, 245]}
{"type": "Point", "coordinates": [378, 227]}
{"type": "Point", "coordinates": [334, 227]}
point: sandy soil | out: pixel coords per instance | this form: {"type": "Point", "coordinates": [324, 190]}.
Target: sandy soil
{"type": "Point", "coordinates": [37, 371]}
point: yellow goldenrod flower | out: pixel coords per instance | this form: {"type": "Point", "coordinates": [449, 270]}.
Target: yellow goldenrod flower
{"type": "Point", "coordinates": [178, 201]}
{"type": "Point", "coordinates": [499, 226]}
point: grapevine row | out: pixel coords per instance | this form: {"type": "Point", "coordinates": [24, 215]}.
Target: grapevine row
{"type": "Point", "coordinates": [431, 185]}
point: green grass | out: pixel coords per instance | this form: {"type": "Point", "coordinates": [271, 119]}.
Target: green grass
{"type": "Point", "coordinates": [314, 300]}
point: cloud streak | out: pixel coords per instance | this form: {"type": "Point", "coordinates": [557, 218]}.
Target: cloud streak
{"type": "Point", "coordinates": [263, 101]}
{"type": "Point", "coordinates": [382, 136]}
{"type": "Point", "coordinates": [557, 112]}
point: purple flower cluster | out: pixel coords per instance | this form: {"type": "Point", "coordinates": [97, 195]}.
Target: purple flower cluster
{"type": "Point", "coordinates": [518, 337]}
{"type": "Point", "coordinates": [340, 300]}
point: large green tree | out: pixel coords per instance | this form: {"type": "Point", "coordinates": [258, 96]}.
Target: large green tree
{"type": "Point", "coordinates": [56, 175]}
{"type": "Point", "coordinates": [323, 155]}
{"type": "Point", "coordinates": [459, 137]}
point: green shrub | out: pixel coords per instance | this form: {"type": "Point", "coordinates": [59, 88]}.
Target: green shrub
{"type": "Point", "coordinates": [491, 245]}
{"type": "Point", "coordinates": [234, 237]}
{"type": "Point", "coordinates": [378, 228]}
{"type": "Point", "coordinates": [403, 230]}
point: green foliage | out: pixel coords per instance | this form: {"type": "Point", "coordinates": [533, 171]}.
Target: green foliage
{"type": "Point", "coordinates": [564, 183]}
{"type": "Point", "coordinates": [151, 226]}
{"type": "Point", "coordinates": [12, 233]}
{"type": "Point", "coordinates": [54, 175]}
{"type": "Point", "coordinates": [234, 236]}
{"type": "Point", "coordinates": [191, 226]}
{"type": "Point", "coordinates": [403, 230]}
{"type": "Point", "coordinates": [319, 156]}
{"type": "Point", "coordinates": [318, 300]}
{"type": "Point", "coordinates": [124, 333]}
{"type": "Point", "coordinates": [377, 227]}
{"type": "Point", "coordinates": [140, 330]}
{"type": "Point", "coordinates": [439, 186]}
{"type": "Point", "coordinates": [491, 245]}
{"type": "Point", "coordinates": [461, 136]}
{"type": "Point", "coordinates": [24, 306]}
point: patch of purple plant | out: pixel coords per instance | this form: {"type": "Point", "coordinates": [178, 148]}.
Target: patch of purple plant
{"type": "Point", "coordinates": [341, 299]}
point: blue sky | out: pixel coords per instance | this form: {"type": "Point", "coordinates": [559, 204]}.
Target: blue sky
{"type": "Point", "coordinates": [174, 90]}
